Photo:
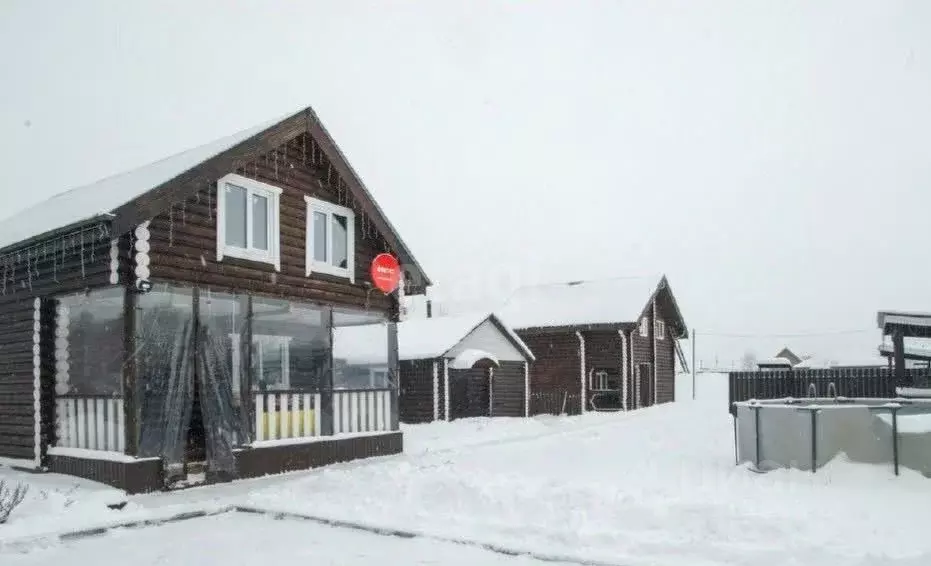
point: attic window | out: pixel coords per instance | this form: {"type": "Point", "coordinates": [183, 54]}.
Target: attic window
{"type": "Point", "coordinates": [330, 239]}
{"type": "Point", "coordinates": [247, 220]}
{"type": "Point", "coordinates": [644, 327]}
{"type": "Point", "coordinates": [660, 330]}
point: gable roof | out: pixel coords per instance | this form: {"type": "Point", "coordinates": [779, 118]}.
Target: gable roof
{"type": "Point", "coordinates": [579, 303]}
{"type": "Point", "coordinates": [425, 338]}
{"type": "Point", "coordinates": [131, 197]}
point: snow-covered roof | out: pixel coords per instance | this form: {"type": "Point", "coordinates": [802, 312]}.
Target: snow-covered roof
{"type": "Point", "coordinates": [424, 338]}
{"type": "Point", "coordinates": [607, 301]}
{"type": "Point", "coordinates": [104, 196]}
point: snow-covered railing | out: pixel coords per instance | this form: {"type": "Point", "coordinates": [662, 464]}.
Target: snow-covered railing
{"type": "Point", "coordinates": [287, 414]}
{"type": "Point", "coordinates": [361, 410]}
{"type": "Point", "coordinates": [90, 422]}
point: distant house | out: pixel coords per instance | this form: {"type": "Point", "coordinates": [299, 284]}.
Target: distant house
{"type": "Point", "coordinates": [789, 355]}
{"type": "Point", "coordinates": [461, 366]}
{"type": "Point", "coordinates": [599, 345]}
{"type": "Point", "coordinates": [207, 316]}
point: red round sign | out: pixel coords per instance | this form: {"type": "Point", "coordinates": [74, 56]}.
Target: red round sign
{"type": "Point", "coordinates": [386, 272]}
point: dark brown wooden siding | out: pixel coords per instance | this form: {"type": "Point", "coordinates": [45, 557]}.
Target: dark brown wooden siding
{"type": "Point", "coordinates": [554, 375]}
{"type": "Point", "coordinates": [257, 462]}
{"type": "Point", "coordinates": [665, 360]}
{"type": "Point", "coordinates": [508, 390]}
{"type": "Point", "coordinates": [141, 476]}
{"type": "Point", "coordinates": [415, 398]}
{"type": "Point", "coordinates": [642, 353]}
{"type": "Point", "coordinates": [440, 390]}
{"type": "Point", "coordinates": [184, 239]}
{"type": "Point", "coordinates": [58, 265]}
{"type": "Point", "coordinates": [602, 351]}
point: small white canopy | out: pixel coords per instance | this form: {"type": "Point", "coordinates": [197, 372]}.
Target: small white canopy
{"type": "Point", "coordinates": [468, 357]}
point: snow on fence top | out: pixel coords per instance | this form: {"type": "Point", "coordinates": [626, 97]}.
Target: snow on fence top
{"type": "Point", "coordinates": [607, 301]}
{"type": "Point", "coordinates": [104, 196]}
{"type": "Point", "coordinates": [922, 351]}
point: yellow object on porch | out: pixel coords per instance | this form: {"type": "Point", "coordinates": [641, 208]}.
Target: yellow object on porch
{"type": "Point", "coordinates": [283, 421]}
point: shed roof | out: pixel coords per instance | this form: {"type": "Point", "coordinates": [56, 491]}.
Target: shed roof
{"type": "Point", "coordinates": [118, 196]}
{"type": "Point", "coordinates": [578, 303]}
{"type": "Point", "coordinates": [425, 338]}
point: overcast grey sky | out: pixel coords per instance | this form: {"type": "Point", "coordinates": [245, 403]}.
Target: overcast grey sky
{"type": "Point", "coordinates": [772, 158]}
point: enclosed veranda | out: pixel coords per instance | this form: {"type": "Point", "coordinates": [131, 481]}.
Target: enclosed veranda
{"type": "Point", "coordinates": [183, 384]}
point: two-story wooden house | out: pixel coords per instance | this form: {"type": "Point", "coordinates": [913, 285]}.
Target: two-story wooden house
{"type": "Point", "coordinates": [599, 345]}
{"type": "Point", "coordinates": [199, 317]}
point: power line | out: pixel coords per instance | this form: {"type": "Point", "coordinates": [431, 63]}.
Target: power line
{"type": "Point", "coordinates": [795, 335]}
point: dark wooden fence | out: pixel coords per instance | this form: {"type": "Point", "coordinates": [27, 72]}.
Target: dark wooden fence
{"type": "Point", "coordinates": [554, 403]}
{"type": "Point", "coordinates": [848, 382]}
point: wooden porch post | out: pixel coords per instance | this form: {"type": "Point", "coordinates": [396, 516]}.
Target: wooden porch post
{"type": "Point", "coordinates": [326, 388]}
{"type": "Point", "coordinates": [246, 397]}
{"type": "Point", "coordinates": [898, 349]}
{"type": "Point", "coordinates": [131, 404]}
{"type": "Point", "coordinates": [393, 372]}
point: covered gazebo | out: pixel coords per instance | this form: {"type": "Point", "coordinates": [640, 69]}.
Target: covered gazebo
{"type": "Point", "coordinates": [906, 340]}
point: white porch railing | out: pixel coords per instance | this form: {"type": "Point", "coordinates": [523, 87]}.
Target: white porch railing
{"type": "Point", "coordinates": [90, 422]}
{"type": "Point", "coordinates": [287, 414]}
{"type": "Point", "coordinates": [361, 410]}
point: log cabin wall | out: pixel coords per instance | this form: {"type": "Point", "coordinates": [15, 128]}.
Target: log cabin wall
{"type": "Point", "coordinates": [183, 239]}
{"type": "Point", "coordinates": [79, 260]}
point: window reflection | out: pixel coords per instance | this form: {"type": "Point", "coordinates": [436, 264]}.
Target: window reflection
{"type": "Point", "coordinates": [360, 350]}
{"type": "Point", "coordinates": [290, 345]}
{"type": "Point", "coordinates": [89, 343]}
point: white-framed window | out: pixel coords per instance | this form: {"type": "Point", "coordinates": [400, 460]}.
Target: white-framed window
{"type": "Point", "coordinates": [248, 220]}
{"type": "Point", "coordinates": [331, 241]}
{"type": "Point", "coordinates": [644, 327]}
{"type": "Point", "coordinates": [271, 362]}
{"type": "Point", "coordinates": [660, 330]}
{"type": "Point", "coordinates": [600, 379]}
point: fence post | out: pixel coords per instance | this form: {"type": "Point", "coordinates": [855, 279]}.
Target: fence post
{"type": "Point", "coordinates": [895, 439]}
{"type": "Point", "coordinates": [756, 426]}
{"type": "Point", "coordinates": [814, 440]}
{"type": "Point", "coordinates": [736, 456]}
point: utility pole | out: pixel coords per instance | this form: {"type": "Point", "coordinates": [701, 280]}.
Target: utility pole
{"type": "Point", "coordinates": [694, 369]}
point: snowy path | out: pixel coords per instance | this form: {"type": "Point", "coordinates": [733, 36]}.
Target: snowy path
{"type": "Point", "coordinates": [246, 540]}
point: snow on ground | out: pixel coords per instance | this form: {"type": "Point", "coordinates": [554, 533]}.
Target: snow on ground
{"type": "Point", "coordinates": [651, 487]}
{"type": "Point", "coordinates": [234, 539]}
{"type": "Point", "coordinates": [656, 486]}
